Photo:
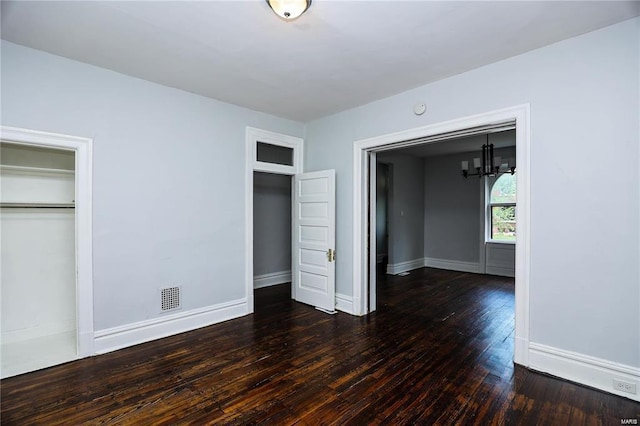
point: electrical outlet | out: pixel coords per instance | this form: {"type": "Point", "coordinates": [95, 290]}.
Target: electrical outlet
{"type": "Point", "coordinates": [623, 386]}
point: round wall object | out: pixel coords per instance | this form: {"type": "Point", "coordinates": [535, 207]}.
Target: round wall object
{"type": "Point", "coordinates": [419, 109]}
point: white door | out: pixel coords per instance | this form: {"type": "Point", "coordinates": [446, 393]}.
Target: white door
{"type": "Point", "coordinates": [314, 236]}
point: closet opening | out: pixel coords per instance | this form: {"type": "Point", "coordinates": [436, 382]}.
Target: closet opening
{"type": "Point", "coordinates": [272, 224]}
{"type": "Point", "coordinates": [38, 255]}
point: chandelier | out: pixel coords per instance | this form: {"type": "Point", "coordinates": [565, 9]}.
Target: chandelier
{"type": "Point", "coordinates": [488, 165]}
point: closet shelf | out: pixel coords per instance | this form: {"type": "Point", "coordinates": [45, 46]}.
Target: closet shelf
{"type": "Point", "coordinates": [25, 169]}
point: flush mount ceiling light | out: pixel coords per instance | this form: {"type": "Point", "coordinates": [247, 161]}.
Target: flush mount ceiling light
{"type": "Point", "coordinates": [289, 9]}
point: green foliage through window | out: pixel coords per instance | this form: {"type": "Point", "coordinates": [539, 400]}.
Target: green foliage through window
{"type": "Point", "coordinates": [503, 223]}
{"type": "Point", "coordinates": [504, 190]}
{"type": "Point", "coordinates": [503, 208]}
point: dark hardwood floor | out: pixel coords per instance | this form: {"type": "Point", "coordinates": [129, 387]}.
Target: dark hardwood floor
{"type": "Point", "coordinates": [439, 350]}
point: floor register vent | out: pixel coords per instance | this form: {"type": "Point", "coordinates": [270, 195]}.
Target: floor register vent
{"type": "Point", "coordinates": [170, 298]}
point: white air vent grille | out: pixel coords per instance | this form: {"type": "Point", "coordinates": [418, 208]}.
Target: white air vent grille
{"type": "Point", "coordinates": [170, 298]}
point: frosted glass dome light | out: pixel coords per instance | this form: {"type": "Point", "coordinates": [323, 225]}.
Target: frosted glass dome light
{"type": "Point", "coordinates": [289, 9]}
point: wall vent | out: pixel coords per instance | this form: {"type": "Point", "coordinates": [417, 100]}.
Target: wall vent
{"type": "Point", "coordinates": [169, 298]}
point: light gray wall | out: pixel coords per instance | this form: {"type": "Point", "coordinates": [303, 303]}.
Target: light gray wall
{"type": "Point", "coordinates": [583, 93]}
{"type": "Point", "coordinates": [453, 206]}
{"type": "Point", "coordinates": [168, 179]}
{"type": "Point", "coordinates": [271, 223]}
{"type": "Point", "coordinates": [406, 207]}
{"type": "Point", "coordinates": [452, 210]}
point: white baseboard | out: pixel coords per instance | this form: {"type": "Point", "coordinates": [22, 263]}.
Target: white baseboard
{"type": "Point", "coordinates": [452, 265]}
{"type": "Point", "coordinates": [344, 303]}
{"type": "Point", "coordinates": [115, 338]}
{"type": "Point", "coordinates": [274, 278]}
{"type": "Point", "coordinates": [398, 268]}
{"type": "Point", "coordinates": [595, 372]}
{"type": "Point", "coordinates": [501, 271]}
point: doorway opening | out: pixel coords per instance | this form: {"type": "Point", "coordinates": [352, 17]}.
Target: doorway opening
{"type": "Point", "coordinates": [443, 219]}
{"type": "Point", "coordinates": [47, 303]}
{"type": "Point", "coordinates": [271, 160]}
{"type": "Point", "coordinates": [272, 224]}
{"type": "Point", "coordinates": [312, 217]}
{"type": "Point", "coordinates": [365, 154]}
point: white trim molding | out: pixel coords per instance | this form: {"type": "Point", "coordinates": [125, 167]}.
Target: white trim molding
{"type": "Point", "coordinates": [410, 265]}
{"type": "Point", "coordinates": [83, 148]}
{"type": "Point", "coordinates": [274, 278]}
{"type": "Point", "coordinates": [519, 114]}
{"type": "Point", "coordinates": [253, 136]}
{"type": "Point", "coordinates": [344, 303]}
{"type": "Point", "coordinates": [453, 265]}
{"type": "Point", "coordinates": [115, 338]}
{"type": "Point", "coordinates": [591, 371]}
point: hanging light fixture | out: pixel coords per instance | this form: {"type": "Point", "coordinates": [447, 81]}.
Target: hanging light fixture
{"type": "Point", "coordinates": [289, 9]}
{"type": "Point", "coordinates": [488, 165]}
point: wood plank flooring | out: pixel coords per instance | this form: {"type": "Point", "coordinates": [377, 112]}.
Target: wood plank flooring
{"type": "Point", "coordinates": [439, 350]}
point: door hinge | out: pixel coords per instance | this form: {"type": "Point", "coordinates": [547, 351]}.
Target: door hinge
{"type": "Point", "coordinates": [331, 255]}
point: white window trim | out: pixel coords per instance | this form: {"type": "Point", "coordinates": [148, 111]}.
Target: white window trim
{"type": "Point", "coordinates": [509, 243]}
{"type": "Point", "coordinates": [264, 136]}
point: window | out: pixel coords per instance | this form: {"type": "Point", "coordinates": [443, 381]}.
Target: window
{"type": "Point", "coordinates": [273, 152]}
{"type": "Point", "coordinates": [269, 153]}
{"type": "Point", "coordinates": [502, 209]}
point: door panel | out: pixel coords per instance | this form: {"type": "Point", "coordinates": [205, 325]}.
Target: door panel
{"type": "Point", "coordinates": [314, 238]}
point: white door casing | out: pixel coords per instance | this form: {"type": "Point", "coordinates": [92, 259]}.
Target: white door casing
{"type": "Point", "coordinates": [253, 137]}
{"type": "Point", "coordinates": [83, 220]}
{"type": "Point", "coordinates": [362, 278]}
{"type": "Point", "coordinates": [314, 238]}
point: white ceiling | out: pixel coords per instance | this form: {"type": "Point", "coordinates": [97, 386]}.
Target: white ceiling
{"type": "Point", "coordinates": [338, 55]}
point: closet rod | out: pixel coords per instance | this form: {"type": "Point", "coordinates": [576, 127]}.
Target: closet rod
{"type": "Point", "coordinates": [38, 205]}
